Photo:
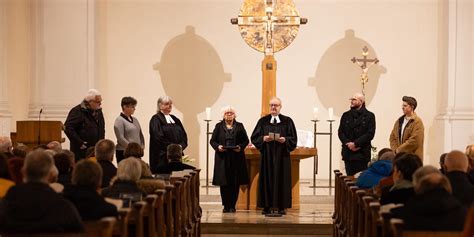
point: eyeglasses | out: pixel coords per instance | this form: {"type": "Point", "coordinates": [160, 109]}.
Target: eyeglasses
{"type": "Point", "coordinates": [275, 105]}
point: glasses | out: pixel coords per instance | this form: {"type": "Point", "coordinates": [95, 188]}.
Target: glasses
{"type": "Point", "coordinates": [274, 105]}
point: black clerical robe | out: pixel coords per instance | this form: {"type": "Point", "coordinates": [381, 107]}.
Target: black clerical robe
{"type": "Point", "coordinates": [163, 134]}
{"type": "Point", "coordinates": [274, 181]}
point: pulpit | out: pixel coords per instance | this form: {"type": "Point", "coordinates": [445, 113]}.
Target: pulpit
{"type": "Point", "coordinates": [34, 133]}
{"type": "Point", "coordinates": [248, 194]}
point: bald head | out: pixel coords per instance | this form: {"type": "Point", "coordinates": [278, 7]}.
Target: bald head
{"type": "Point", "coordinates": [456, 161]}
{"type": "Point", "coordinates": [357, 100]}
{"type": "Point", "coordinates": [433, 181]}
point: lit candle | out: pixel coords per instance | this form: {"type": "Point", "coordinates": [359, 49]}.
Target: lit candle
{"type": "Point", "coordinates": [315, 113]}
{"type": "Point", "coordinates": [331, 113]}
{"type": "Point", "coordinates": [208, 113]}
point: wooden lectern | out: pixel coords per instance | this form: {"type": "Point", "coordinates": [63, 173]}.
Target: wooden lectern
{"type": "Point", "coordinates": [34, 133]}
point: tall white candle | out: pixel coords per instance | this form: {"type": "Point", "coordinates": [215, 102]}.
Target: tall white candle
{"type": "Point", "coordinates": [208, 113]}
{"type": "Point", "coordinates": [315, 113]}
{"type": "Point", "coordinates": [331, 113]}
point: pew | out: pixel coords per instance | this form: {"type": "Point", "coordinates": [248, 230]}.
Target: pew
{"type": "Point", "coordinates": [397, 230]}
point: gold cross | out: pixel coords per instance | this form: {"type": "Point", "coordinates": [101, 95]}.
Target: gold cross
{"type": "Point", "coordinates": [362, 62]}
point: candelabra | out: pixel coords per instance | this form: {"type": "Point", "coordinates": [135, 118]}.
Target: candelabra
{"type": "Point", "coordinates": [315, 164]}
{"type": "Point", "coordinates": [207, 152]}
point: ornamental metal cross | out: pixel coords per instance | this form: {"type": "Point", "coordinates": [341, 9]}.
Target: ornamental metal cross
{"type": "Point", "coordinates": [257, 18]}
{"type": "Point", "coordinates": [362, 62]}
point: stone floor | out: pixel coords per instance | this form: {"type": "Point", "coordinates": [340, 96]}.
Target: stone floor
{"type": "Point", "coordinates": [313, 218]}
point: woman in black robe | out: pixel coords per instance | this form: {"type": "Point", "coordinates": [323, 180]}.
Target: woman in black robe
{"type": "Point", "coordinates": [165, 129]}
{"type": "Point", "coordinates": [229, 140]}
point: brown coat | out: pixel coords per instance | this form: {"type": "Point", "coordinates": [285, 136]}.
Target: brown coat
{"type": "Point", "coordinates": [413, 136]}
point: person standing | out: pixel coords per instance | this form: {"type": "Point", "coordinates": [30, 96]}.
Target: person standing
{"type": "Point", "coordinates": [165, 129]}
{"type": "Point", "coordinates": [229, 140]}
{"type": "Point", "coordinates": [356, 131]}
{"type": "Point", "coordinates": [275, 137]}
{"type": "Point", "coordinates": [127, 128]}
{"type": "Point", "coordinates": [408, 131]}
{"type": "Point", "coordinates": [85, 124]}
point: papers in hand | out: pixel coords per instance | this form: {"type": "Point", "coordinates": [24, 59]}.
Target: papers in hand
{"type": "Point", "coordinates": [274, 136]}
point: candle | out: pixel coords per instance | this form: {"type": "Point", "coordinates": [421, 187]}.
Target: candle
{"type": "Point", "coordinates": [208, 113]}
{"type": "Point", "coordinates": [315, 113]}
{"type": "Point", "coordinates": [331, 114]}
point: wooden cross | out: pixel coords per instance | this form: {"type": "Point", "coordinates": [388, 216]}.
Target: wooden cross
{"type": "Point", "coordinates": [362, 62]}
{"type": "Point", "coordinates": [269, 21]}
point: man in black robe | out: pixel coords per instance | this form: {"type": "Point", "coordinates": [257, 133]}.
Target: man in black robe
{"type": "Point", "coordinates": [275, 137]}
{"type": "Point", "coordinates": [165, 129]}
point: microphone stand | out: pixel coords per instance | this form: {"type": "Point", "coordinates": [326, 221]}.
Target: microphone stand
{"type": "Point", "coordinates": [39, 126]}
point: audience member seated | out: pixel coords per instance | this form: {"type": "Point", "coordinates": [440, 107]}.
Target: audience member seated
{"type": "Point", "coordinates": [433, 207]}
{"type": "Point", "coordinates": [135, 150]}
{"type": "Point", "coordinates": [63, 163]}
{"type": "Point", "coordinates": [53, 178]}
{"type": "Point", "coordinates": [386, 183]}
{"type": "Point", "coordinates": [174, 153]}
{"type": "Point", "coordinates": [55, 146]}
{"type": "Point", "coordinates": [34, 207]}
{"type": "Point", "coordinates": [20, 151]}
{"type": "Point", "coordinates": [442, 166]}
{"type": "Point", "coordinates": [83, 192]}
{"type": "Point", "coordinates": [15, 165]}
{"type": "Point", "coordinates": [6, 146]}
{"type": "Point", "coordinates": [402, 189]}
{"type": "Point", "coordinates": [104, 152]}
{"type": "Point", "coordinates": [125, 185]}
{"type": "Point", "coordinates": [5, 179]}
{"type": "Point", "coordinates": [457, 165]}
{"type": "Point", "coordinates": [470, 155]}
{"type": "Point", "coordinates": [376, 171]}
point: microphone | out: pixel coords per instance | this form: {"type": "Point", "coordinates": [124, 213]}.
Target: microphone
{"type": "Point", "coordinates": [39, 126]}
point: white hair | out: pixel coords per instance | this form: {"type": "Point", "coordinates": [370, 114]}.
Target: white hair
{"type": "Point", "coordinates": [5, 144]}
{"type": "Point", "coordinates": [163, 99]}
{"type": "Point", "coordinates": [228, 108]}
{"type": "Point", "coordinates": [91, 95]}
{"type": "Point", "coordinates": [129, 169]}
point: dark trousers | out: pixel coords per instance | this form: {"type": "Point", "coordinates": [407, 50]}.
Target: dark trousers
{"type": "Point", "coordinates": [119, 155]}
{"type": "Point", "coordinates": [355, 166]}
{"type": "Point", "coordinates": [229, 195]}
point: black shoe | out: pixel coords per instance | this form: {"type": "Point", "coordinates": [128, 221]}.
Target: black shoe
{"type": "Point", "coordinates": [232, 209]}
{"type": "Point", "coordinates": [226, 210]}
{"type": "Point", "coordinates": [265, 211]}
{"type": "Point", "coordinates": [282, 211]}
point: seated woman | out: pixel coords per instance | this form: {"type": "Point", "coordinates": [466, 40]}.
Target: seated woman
{"type": "Point", "coordinates": [83, 193]}
{"type": "Point", "coordinates": [174, 153]}
{"type": "Point", "coordinates": [124, 185]}
{"type": "Point", "coordinates": [402, 189]}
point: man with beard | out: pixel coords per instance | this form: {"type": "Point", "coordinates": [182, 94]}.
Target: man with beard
{"type": "Point", "coordinates": [356, 131]}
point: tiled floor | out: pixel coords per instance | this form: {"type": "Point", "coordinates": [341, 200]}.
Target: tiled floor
{"type": "Point", "coordinates": [313, 217]}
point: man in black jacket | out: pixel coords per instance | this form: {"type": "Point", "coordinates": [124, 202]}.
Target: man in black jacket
{"type": "Point", "coordinates": [85, 124]}
{"type": "Point", "coordinates": [356, 131]}
{"type": "Point", "coordinates": [457, 165]}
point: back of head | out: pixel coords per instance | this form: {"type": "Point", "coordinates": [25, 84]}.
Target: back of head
{"type": "Point", "coordinates": [87, 173]}
{"type": "Point", "coordinates": [388, 155]}
{"type": "Point", "coordinates": [62, 162]}
{"type": "Point", "coordinates": [456, 161]}
{"type": "Point", "coordinates": [433, 181]}
{"type": "Point", "coordinates": [38, 166]}
{"type": "Point", "coordinates": [381, 152]}
{"type": "Point", "coordinates": [55, 146]}
{"type": "Point", "coordinates": [20, 151]}
{"type": "Point", "coordinates": [5, 144]}
{"type": "Point", "coordinates": [422, 172]}
{"type": "Point", "coordinates": [133, 149]}
{"type": "Point", "coordinates": [174, 152]}
{"type": "Point", "coordinates": [407, 165]}
{"type": "Point", "coordinates": [105, 150]}
{"type": "Point", "coordinates": [15, 166]}
{"type": "Point", "coordinates": [129, 169]}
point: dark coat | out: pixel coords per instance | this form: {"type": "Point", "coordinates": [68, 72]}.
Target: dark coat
{"type": "Point", "coordinates": [81, 126]}
{"type": "Point", "coordinates": [89, 203]}
{"type": "Point", "coordinates": [463, 190]}
{"type": "Point", "coordinates": [357, 126]}
{"type": "Point", "coordinates": [163, 134]}
{"type": "Point", "coordinates": [398, 196]}
{"type": "Point", "coordinates": [108, 172]}
{"type": "Point", "coordinates": [230, 167]}
{"type": "Point", "coordinates": [121, 186]}
{"type": "Point", "coordinates": [35, 207]}
{"type": "Point", "coordinates": [435, 210]}
{"type": "Point", "coordinates": [274, 181]}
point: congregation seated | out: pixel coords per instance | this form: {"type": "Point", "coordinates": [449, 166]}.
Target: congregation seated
{"type": "Point", "coordinates": [457, 165]}
{"type": "Point", "coordinates": [376, 171]}
{"type": "Point", "coordinates": [125, 184]}
{"type": "Point", "coordinates": [63, 163]}
{"type": "Point", "coordinates": [34, 207]}
{"type": "Point", "coordinates": [402, 189]}
{"type": "Point", "coordinates": [135, 150]}
{"type": "Point", "coordinates": [5, 179]}
{"type": "Point", "coordinates": [104, 153]}
{"type": "Point", "coordinates": [174, 153]}
{"type": "Point", "coordinates": [433, 208]}
{"type": "Point", "coordinates": [83, 193]}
